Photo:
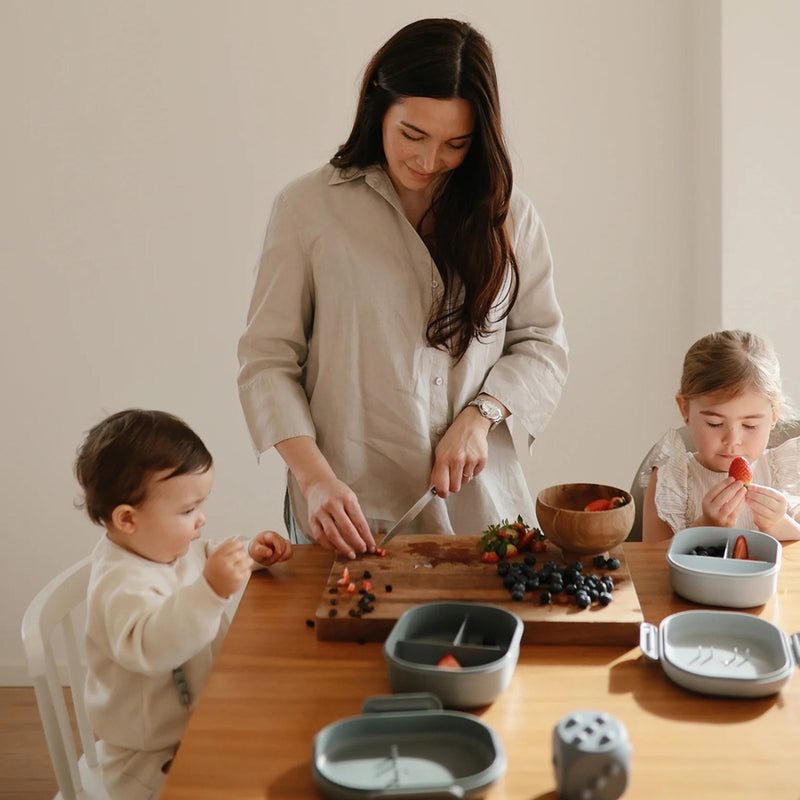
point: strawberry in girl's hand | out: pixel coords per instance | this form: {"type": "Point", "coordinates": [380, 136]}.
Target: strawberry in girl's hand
{"type": "Point", "coordinates": [740, 470]}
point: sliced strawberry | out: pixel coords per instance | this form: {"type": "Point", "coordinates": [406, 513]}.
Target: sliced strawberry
{"type": "Point", "coordinates": [740, 470]}
{"type": "Point", "coordinates": [490, 557]}
{"type": "Point", "coordinates": [351, 588]}
{"type": "Point", "coordinates": [345, 579]}
{"type": "Point", "coordinates": [448, 662]}
{"type": "Point", "coordinates": [380, 551]}
{"type": "Point", "coordinates": [601, 504]}
{"type": "Point", "coordinates": [740, 548]}
{"type": "Point", "coordinates": [366, 585]}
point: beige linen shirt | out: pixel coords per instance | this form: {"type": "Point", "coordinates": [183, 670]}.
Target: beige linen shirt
{"type": "Point", "coordinates": [335, 349]}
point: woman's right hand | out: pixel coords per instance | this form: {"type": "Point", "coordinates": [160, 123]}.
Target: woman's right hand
{"type": "Point", "coordinates": [337, 522]}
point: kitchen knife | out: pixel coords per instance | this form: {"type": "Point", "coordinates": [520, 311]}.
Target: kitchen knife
{"type": "Point", "coordinates": [409, 515]}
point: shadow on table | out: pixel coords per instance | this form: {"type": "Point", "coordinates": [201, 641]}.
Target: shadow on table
{"type": "Point", "coordinates": [656, 693]}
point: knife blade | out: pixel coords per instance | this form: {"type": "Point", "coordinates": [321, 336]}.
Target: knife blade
{"type": "Point", "coordinates": [409, 515]}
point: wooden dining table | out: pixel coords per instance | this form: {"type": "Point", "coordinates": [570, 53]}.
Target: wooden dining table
{"type": "Point", "coordinates": [275, 685]}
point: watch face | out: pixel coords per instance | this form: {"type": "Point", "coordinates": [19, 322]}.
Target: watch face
{"type": "Point", "coordinates": [490, 411]}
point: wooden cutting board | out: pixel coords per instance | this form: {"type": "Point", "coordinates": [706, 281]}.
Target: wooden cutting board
{"type": "Point", "coordinates": [423, 568]}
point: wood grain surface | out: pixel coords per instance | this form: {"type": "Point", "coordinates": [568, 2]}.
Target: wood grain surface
{"type": "Point", "coordinates": [275, 685]}
{"type": "Point", "coordinates": [421, 568]}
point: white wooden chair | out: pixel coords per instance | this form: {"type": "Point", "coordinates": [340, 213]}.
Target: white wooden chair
{"type": "Point", "coordinates": [48, 617]}
{"type": "Point", "coordinates": [785, 429]}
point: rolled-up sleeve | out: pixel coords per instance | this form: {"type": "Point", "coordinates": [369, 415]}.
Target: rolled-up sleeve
{"type": "Point", "coordinates": [530, 375]}
{"type": "Point", "coordinates": [273, 348]}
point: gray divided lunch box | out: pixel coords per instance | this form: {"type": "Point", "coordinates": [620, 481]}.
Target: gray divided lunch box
{"type": "Point", "coordinates": [484, 640]}
{"type": "Point", "coordinates": [727, 653]}
{"type": "Point", "coordinates": [723, 580]}
{"type": "Point", "coordinates": [405, 746]}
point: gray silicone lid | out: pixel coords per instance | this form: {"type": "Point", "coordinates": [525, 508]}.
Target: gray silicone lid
{"type": "Point", "coordinates": [406, 746]}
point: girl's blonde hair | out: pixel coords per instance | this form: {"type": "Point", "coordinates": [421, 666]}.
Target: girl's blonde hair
{"type": "Point", "coordinates": [730, 362]}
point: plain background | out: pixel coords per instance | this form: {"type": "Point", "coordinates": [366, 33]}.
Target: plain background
{"type": "Point", "coordinates": [142, 143]}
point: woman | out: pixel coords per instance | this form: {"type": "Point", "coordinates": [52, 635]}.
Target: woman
{"type": "Point", "coordinates": [404, 307]}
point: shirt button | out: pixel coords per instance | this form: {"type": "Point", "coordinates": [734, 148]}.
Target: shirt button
{"type": "Point", "coordinates": [435, 284]}
{"type": "Point", "coordinates": [438, 381]}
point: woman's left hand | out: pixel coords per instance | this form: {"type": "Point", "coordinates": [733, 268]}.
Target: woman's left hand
{"type": "Point", "coordinates": [461, 453]}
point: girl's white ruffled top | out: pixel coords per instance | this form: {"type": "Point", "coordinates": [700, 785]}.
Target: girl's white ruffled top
{"type": "Point", "coordinates": [683, 481]}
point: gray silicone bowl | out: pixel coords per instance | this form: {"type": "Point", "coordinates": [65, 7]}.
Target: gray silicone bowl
{"type": "Point", "coordinates": [724, 581]}
{"type": "Point", "coordinates": [727, 653]}
{"type": "Point", "coordinates": [405, 746]}
{"type": "Point", "coordinates": [484, 639]}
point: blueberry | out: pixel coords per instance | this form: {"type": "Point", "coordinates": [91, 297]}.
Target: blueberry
{"type": "Point", "coordinates": [582, 599]}
{"type": "Point", "coordinates": [502, 568]}
{"type": "Point", "coordinates": [332, 612]}
{"type": "Point", "coordinates": [605, 599]}
{"type": "Point", "coordinates": [530, 560]}
{"type": "Point", "coordinates": [599, 562]}
{"type": "Point", "coordinates": [517, 595]}
{"type": "Point", "coordinates": [545, 597]}
{"type": "Point", "coordinates": [367, 574]}
{"type": "Point", "coordinates": [388, 587]}
{"type": "Point", "coordinates": [612, 563]}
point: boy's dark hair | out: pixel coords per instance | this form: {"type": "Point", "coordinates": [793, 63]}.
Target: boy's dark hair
{"type": "Point", "coordinates": [120, 453]}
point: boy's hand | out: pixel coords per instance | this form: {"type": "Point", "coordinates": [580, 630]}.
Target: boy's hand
{"type": "Point", "coordinates": [227, 568]}
{"type": "Point", "coordinates": [269, 547]}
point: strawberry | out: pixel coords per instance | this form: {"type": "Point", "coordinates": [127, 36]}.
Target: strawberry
{"type": "Point", "coordinates": [448, 662]}
{"type": "Point", "coordinates": [740, 548]}
{"type": "Point", "coordinates": [345, 579]}
{"type": "Point", "coordinates": [740, 470]}
{"type": "Point", "coordinates": [490, 557]}
{"type": "Point", "coordinates": [601, 504]}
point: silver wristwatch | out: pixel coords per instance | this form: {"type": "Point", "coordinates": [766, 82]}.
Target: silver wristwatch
{"type": "Point", "coordinates": [489, 410]}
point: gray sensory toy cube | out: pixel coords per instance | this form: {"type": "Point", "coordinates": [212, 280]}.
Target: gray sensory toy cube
{"type": "Point", "coordinates": [591, 756]}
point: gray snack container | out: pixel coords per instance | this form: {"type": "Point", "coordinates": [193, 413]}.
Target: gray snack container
{"type": "Point", "coordinates": [727, 653]}
{"type": "Point", "coordinates": [405, 746]}
{"type": "Point", "coordinates": [724, 581]}
{"type": "Point", "coordinates": [484, 639]}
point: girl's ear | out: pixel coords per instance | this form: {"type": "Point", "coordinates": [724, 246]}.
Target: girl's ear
{"type": "Point", "coordinates": [123, 518]}
{"type": "Point", "coordinates": [683, 407]}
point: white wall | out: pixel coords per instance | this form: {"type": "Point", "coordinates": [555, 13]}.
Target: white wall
{"type": "Point", "coordinates": [140, 149]}
{"type": "Point", "coordinates": [761, 174]}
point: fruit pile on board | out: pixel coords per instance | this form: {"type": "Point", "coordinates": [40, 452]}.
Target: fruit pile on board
{"type": "Point", "coordinates": [551, 582]}
{"type": "Point", "coordinates": [508, 539]}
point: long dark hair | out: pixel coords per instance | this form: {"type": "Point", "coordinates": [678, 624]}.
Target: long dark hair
{"type": "Point", "coordinates": [447, 59]}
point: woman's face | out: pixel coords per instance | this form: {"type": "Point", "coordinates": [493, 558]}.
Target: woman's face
{"type": "Point", "coordinates": [423, 138]}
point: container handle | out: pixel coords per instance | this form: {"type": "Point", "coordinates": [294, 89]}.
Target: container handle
{"type": "Point", "coordinates": [794, 640]}
{"type": "Point", "coordinates": [648, 640]}
{"type": "Point", "coordinates": [446, 793]}
{"type": "Point", "coordinates": [404, 701]}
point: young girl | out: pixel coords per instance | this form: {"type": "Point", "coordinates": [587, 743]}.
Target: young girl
{"type": "Point", "coordinates": [157, 592]}
{"type": "Point", "coordinates": [731, 399]}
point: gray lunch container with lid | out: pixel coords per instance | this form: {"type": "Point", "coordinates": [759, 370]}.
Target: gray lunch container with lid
{"type": "Point", "coordinates": [406, 746]}
{"type": "Point", "coordinates": [727, 653]}
{"type": "Point", "coordinates": [722, 580]}
{"type": "Point", "coordinates": [484, 639]}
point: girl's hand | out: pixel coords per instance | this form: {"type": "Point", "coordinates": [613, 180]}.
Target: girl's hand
{"type": "Point", "coordinates": [768, 505]}
{"type": "Point", "coordinates": [461, 453]}
{"type": "Point", "coordinates": [337, 522]}
{"type": "Point", "coordinates": [227, 568]}
{"type": "Point", "coordinates": [723, 503]}
{"type": "Point", "coordinates": [269, 547]}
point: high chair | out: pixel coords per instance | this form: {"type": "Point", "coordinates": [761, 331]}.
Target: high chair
{"type": "Point", "coordinates": [48, 618]}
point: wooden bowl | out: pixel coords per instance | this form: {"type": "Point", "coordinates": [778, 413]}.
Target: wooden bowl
{"type": "Point", "coordinates": [562, 519]}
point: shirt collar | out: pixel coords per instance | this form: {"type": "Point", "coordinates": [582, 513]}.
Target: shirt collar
{"type": "Point", "coordinates": [375, 176]}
